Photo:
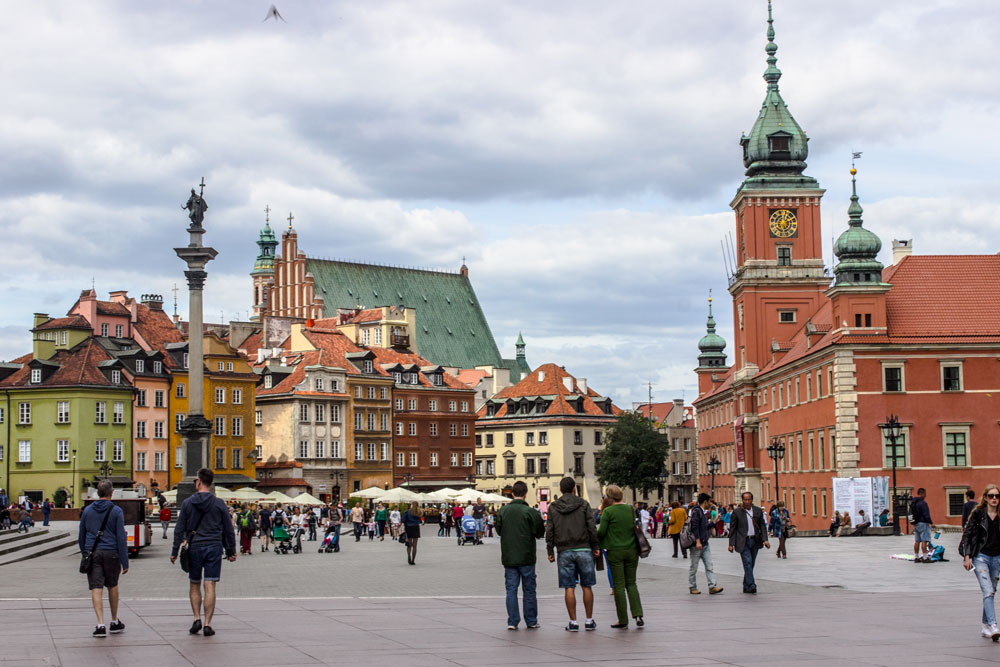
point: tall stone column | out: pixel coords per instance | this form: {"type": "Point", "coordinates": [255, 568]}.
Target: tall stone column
{"type": "Point", "coordinates": [196, 429]}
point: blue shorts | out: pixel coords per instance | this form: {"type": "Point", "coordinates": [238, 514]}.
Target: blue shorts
{"type": "Point", "coordinates": [921, 532]}
{"type": "Point", "coordinates": [479, 525]}
{"type": "Point", "coordinates": [574, 566]}
{"type": "Point", "coordinates": [207, 558]}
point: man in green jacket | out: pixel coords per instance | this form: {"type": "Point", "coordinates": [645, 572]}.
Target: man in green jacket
{"type": "Point", "coordinates": [519, 525]}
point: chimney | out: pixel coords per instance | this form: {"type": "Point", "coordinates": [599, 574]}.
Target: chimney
{"type": "Point", "coordinates": [40, 319]}
{"type": "Point", "coordinates": [901, 249]}
{"type": "Point", "coordinates": [119, 296]}
{"type": "Point", "coordinates": [582, 383]}
{"type": "Point", "coordinates": [541, 376]}
{"type": "Point", "coordinates": [153, 301]}
{"type": "Point", "coordinates": [568, 383]}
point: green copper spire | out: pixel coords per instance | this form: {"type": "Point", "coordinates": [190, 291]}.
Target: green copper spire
{"type": "Point", "coordinates": [857, 247]}
{"type": "Point", "coordinates": [267, 245]}
{"type": "Point", "coordinates": [775, 151]}
{"type": "Point", "coordinates": [712, 345]}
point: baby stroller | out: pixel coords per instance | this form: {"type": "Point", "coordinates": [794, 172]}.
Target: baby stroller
{"type": "Point", "coordinates": [331, 541]}
{"type": "Point", "coordinates": [467, 531]}
{"type": "Point", "coordinates": [285, 542]}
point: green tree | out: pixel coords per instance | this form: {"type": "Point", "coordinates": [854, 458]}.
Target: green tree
{"type": "Point", "coordinates": [634, 454]}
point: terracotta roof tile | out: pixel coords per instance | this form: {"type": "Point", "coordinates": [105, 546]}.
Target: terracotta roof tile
{"type": "Point", "coordinates": [112, 308]}
{"type": "Point", "coordinates": [549, 380]}
{"type": "Point", "coordinates": [76, 366]}
{"type": "Point", "coordinates": [471, 376]}
{"type": "Point", "coordinates": [69, 322]}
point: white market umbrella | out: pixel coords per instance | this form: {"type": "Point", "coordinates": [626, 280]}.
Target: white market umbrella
{"type": "Point", "coordinates": [277, 497]}
{"type": "Point", "coordinates": [171, 495]}
{"type": "Point", "coordinates": [436, 497]}
{"type": "Point", "coordinates": [307, 499]}
{"type": "Point", "coordinates": [495, 498]}
{"type": "Point", "coordinates": [399, 495]}
{"type": "Point", "coordinates": [370, 493]}
{"type": "Point", "coordinates": [465, 495]}
{"type": "Point", "coordinates": [247, 494]}
{"type": "Point", "coordinates": [222, 493]}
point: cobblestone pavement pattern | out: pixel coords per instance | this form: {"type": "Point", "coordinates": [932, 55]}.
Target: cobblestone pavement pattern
{"type": "Point", "coordinates": [833, 602]}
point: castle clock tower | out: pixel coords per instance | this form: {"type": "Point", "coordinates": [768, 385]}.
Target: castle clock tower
{"type": "Point", "coordinates": [780, 277]}
{"type": "Point", "coordinates": [263, 268]}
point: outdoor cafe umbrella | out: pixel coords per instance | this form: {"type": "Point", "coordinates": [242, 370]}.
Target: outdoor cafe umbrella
{"type": "Point", "coordinates": [399, 495]}
{"type": "Point", "coordinates": [277, 497]}
{"type": "Point", "coordinates": [307, 499]}
{"type": "Point", "coordinates": [369, 493]}
{"type": "Point", "coordinates": [171, 495]}
{"type": "Point", "coordinates": [222, 493]}
{"type": "Point", "coordinates": [247, 494]}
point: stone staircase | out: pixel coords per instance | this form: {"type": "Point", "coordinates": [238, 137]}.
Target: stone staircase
{"type": "Point", "coordinates": [15, 547]}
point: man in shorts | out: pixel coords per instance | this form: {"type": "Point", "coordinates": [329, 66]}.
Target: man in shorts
{"type": "Point", "coordinates": [205, 525]}
{"type": "Point", "coordinates": [479, 514]}
{"type": "Point", "coordinates": [570, 529]}
{"type": "Point", "coordinates": [109, 554]}
{"type": "Point", "coordinates": [922, 524]}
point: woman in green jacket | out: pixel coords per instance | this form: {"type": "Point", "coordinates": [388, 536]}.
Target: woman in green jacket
{"type": "Point", "coordinates": [617, 535]}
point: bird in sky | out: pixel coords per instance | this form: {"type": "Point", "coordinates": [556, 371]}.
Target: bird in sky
{"type": "Point", "coordinates": [273, 13]}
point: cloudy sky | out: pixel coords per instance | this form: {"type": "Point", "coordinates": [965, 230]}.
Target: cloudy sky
{"type": "Point", "coordinates": [580, 153]}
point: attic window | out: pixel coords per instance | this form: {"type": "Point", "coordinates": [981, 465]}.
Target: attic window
{"type": "Point", "coordinates": [369, 366]}
{"type": "Point", "coordinates": [786, 316]}
{"type": "Point", "coordinates": [779, 144]}
{"type": "Point", "coordinates": [268, 382]}
{"type": "Point", "coordinates": [438, 379]}
{"type": "Point", "coordinates": [36, 375]}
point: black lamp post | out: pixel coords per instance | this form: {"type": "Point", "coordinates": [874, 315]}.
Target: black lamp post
{"type": "Point", "coordinates": [72, 486]}
{"type": "Point", "coordinates": [662, 479]}
{"type": "Point", "coordinates": [407, 478]}
{"type": "Point", "coordinates": [106, 470]}
{"type": "Point", "coordinates": [714, 464]}
{"type": "Point", "coordinates": [776, 451]}
{"type": "Point", "coordinates": [892, 430]}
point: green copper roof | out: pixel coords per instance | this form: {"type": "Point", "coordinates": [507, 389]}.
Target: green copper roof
{"type": "Point", "coordinates": [775, 151]}
{"type": "Point", "coordinates": [451, 329]}
{"type": "Point", "coordinates": [857, 248]}
{"type": "Point", "coordinates": [265, 257]}
{"type": "Point", "coordinates": [712, 345]}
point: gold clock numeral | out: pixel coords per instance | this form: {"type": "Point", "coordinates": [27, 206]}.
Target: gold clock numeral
{"type": "Point", "coordinates": [783, 223]}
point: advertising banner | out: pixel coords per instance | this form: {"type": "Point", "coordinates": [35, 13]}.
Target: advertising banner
{"type": "Point", "coordinates": [853, 494]}
{"type": "Point", "coordinates": [741, 454]}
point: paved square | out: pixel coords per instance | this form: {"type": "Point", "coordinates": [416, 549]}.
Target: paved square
{"type": "Point", "coordinates": [833, 602]}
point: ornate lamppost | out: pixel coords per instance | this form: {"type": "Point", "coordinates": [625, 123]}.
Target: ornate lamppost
{"type": "Point", "coordinates": [776, 451]}
{"type": "Point", "coordinates": [195, 429]}
{"type": "Point", "coordinates": [893, 430]}
{"type": "Point", "coordinates": [714, 464]}
{"type": "Point", "coordinates": [72, 485]}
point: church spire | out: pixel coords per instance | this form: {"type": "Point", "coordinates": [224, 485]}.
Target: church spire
{"type": "Point", "coordinates": [857, 248]}
{"type": "Point", "coordinates": [711, 345]}
{"type": "Point", "coordinates": [772, 73]}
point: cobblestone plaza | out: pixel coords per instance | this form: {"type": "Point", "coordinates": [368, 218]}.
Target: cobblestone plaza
{"type": "Point", "coordinates": [834, 602]}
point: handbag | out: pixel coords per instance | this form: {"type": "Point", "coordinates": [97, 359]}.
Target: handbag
{"type": "Point", "coordinates": [87, 557]}
{"type": "Point", "coordinates": [185, 557]}
{"type": "Point", "coordinates": [642, 542]}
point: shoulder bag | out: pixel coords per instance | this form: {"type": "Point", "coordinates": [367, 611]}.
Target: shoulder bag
{"type": "Point", "coordinates": [185, 557]}
{"type": "Point", "coordinates": [641, 542]}
{"type": "Point", "coordinates": [87, 557]}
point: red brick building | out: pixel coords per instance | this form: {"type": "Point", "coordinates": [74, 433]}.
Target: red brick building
{"type": "Point", "coordinates": [821, 360]}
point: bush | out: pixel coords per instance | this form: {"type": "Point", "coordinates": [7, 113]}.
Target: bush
{"type": "Point", "coordinates": [59, 497]}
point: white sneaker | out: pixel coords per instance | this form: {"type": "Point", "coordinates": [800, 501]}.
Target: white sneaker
{"type": "Point", "coordinates": [987, 631]}
{"type": "Point", "coordinates": [994, 632]}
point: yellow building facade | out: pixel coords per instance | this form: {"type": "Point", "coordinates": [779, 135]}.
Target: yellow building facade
{"type": "Point", "coordinates": [229, 406]}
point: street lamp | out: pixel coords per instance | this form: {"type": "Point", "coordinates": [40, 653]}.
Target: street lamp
{"type": "Point", "coordinates": [714, 464]}
{"type": "Point", "coordinates": [776, 451]}
{"type": "Point", "coordinates": [662, 479]}
{"type": "Point", "coordinates": [407, 478]}
{"type": "Point", "coordinates": [892, 430]}
{"type": "Point", "coordinates": [106, 470]}
{"type": "Point", "coordinates": [72, 485]}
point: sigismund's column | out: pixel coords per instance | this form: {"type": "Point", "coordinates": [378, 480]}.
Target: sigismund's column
{"type": "Point", "coordinates": [196, 429]}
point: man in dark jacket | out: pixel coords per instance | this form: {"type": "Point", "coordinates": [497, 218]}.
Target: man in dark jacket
{"type": "Point", "coordinates": [205, 525]}
{"type": "Point", "coordinates": [571, 530]}
{"type": "Point", "coordinates": [518, 526]}
{"type": "Point", "coordinates": [922, 524]}
{"type": "Point", "coordinates": [109, 554]}
{"type": "Point", "coordinates": [700, 551]}
{"type": "Point", "coordinates": [747, 532]}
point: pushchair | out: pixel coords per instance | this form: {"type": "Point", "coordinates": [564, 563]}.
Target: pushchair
{"type": "Point", "coordinates": [467, 531]}
{"type": "Point", "coordinates": [331, 540]}
{"type": "Point", "coordinates": [285, 542]}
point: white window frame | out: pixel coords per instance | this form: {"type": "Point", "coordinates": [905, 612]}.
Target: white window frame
{"type": "Point", "coordinates": [178, 457]}
{"type": "Point", "coordinates": [432, 429]}
{"type": "Point", "coordinates": [140, 366]}
{"type": "Point", "coordinates": [413, 428]}
{"type": "Point", "coordinates": [36, 375]}
{"type": "Point", "coordinates": [413, 404]}
{"type": "Point", "coordinates": [359, 452]}
{"type": "Point", "coordinates": [237, 396]}
{"type": "Point", "coordinates": [901, 365]}
{"type": "Point", "coordinates": [62, 412]}
{"type": "Point", "coordinates": [400, 459]}
{"type": "Point", "coordinates": [119, 331]}
{"type": "Point", "coordinates": [413, 459]}
{"type": "Point", "coordinates": [237, 456]}
{"type": "Point", "coordinates": [434, 459]}
{"type": "Point", "coordinates": [454, 459]}
{"type": "Point", "coordinates": [258, 416]}
{"type": "Point", "coordinates": [963, 429]}
{"type": "Point", "coordinates": [116, 376]}
{"type": "Point", "coordinates": [320, 446]}
{"type": "Point", "coordinates": [140, 429]}
{"type": "Point", "coordinates": [467, 459]}
{"type": "Point", "coordinates": [118, 412]}
{"type": "Point", "coordinates": [100, 451]}
{"type": "Point", "coordinates": [237, 424]}
{"type": "Point", "coordinates": [384, 451]}
{"type": "Point", "coordinates": [220, 427]}
{"type": "Point", "coordinates": [118, 451]}
{"type": "Point", "coordinates": [140, 461]}
{"type": "Point", "coordinates": [465, 429]}
{"type": "Point", "coordinates": [62, 451]}
{"type": "Point", "coordinates": [453, 429]}
{"type": "Point", "coordinates": [24, 451]}
{"type": "Point", "coordinates": [220, 396]}
{"type": "Point", "coordinates": [372, 451]}
{"type": "Point", "coordinates": [303, 449]}
{"type": "Point", "coordinates": [158, 367]}
{"type": "Point", "coordinates": [159, 461]}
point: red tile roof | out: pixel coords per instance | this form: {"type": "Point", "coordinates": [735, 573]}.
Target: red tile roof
{"type": "Point", "coordinates": [367, 315]}
{"type": "Point", "coordinates": [112, 308]}
{"type": "Point", "coordinates": [660, 410]}
{"type": "Point", "coordinates": [471, 376]}
{"type": "Point", "coordinates": [549, 380]}
{"type": "Point", "coordinates": [76, 366]}
{"type": "Point", "coordinates": [70, 322]}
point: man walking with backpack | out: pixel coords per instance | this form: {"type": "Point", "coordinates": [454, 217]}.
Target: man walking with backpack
{"type": "Point", "coordinates": [697, 530]}
{"type": "Point", "coordinates": [204, 529]}
{"type": "Point", "coordinates": [102, 535]}
{"type": "Point", "coordinates": [519, 525]}
{"type": "Point", "coordinates": [248, 526]}
{"type": "Point", "coordinates": [571, 531]}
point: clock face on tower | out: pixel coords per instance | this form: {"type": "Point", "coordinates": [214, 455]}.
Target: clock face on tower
{"type": "Point", "coordinates": [783, 223]}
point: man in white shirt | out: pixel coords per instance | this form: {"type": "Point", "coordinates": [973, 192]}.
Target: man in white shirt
{"type": "Point", "coordinates": [747, 533]}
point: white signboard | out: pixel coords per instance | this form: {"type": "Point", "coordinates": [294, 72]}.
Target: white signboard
{"type": "Point", "coordinates": [853, 494]}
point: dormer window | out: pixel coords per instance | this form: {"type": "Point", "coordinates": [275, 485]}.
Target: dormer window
{"type": "Point", "coordinates": [104, 330]}
{"type": "Point", "coordinates": [36, 375]}
{"type": "Point", "coordinates": [369, 366]}
{"type": "Point", "coordinates": [397, 376]}
{"type": "Point", "coordinates": [157, 367]}
{"type": "Point", "coordinates": [268, 382]}
{"type": "Point", "coordinates": [119, 331]}
{"type": "Point", "coordinates": [438, 379]}
{"type": "Point", "coordinates": [140, 366]}
{"type": "Point", "coordinates": [116, 377]}
{"type": "Point", "coordinates": [414, 378]}
{"type": "Point", "coordinates": [779, 143]}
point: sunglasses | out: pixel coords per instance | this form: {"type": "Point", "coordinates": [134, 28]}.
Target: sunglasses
{"type": "Point", "coordinates": [993, 495]}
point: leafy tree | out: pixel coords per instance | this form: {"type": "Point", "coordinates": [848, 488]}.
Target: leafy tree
{"type": "Point", "coordinates": [59, 497]}
{"type": "Point", "coordinates": [634, 454]}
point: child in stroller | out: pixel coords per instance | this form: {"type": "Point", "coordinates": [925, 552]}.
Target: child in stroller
{"type": "Point", "coordinates": [285, 541]}
{"type": "Point", "coordinates": [467, 531]}
{"type": "Point", "coordinates": [331, 539]}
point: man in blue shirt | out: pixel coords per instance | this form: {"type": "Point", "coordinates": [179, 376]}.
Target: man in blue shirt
{"type": "Point", "coordinates": [109, 554]}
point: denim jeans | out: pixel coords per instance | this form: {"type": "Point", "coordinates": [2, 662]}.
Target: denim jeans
{"type": "Point", "coordinates": [525, 576]}
{"type": "Point", "coordinates": [698, 555]}
{"type": "Point", "coordinates": [749, 556]}
{"type": "Point", "coordinates": [987, 572]}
